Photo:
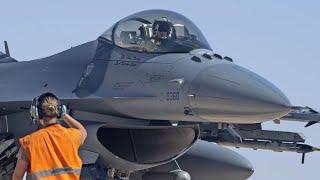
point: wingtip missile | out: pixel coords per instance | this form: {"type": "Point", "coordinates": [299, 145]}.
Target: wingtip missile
{"type": "Point", "coordinates": [313, 149]}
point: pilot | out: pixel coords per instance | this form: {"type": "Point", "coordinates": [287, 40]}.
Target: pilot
{"type": "Point", "coordinates": [162, 30]}
{"type": "Point", "coordinates": [162, 35]}
{"type": "Point", "coordinates": [142, 32]}
{"type": "Point", "coordinates": [51, 152]}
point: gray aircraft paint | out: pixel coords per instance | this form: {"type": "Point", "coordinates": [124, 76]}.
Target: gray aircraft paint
{"type": "Point", "coordinates": [128, 89]}
{"type": "Point", "coordinates": [113, 85]}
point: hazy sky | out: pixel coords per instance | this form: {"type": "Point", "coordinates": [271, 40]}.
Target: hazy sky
{"type": "Point", "coordinates": [277, 39]}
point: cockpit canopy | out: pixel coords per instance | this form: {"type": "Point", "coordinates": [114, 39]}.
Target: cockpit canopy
{"type": "Point", "coordinates": [156, 31]}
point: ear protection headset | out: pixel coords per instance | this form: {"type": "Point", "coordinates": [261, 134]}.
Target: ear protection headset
{"type": "Point", "coordinates": [36, 111]}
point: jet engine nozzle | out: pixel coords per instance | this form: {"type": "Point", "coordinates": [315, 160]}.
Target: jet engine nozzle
{"type": "Point", "coordinates": [232, 94]}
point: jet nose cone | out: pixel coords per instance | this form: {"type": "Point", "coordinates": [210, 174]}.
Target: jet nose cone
{"type": "Point", "coordinates": [230, 93]}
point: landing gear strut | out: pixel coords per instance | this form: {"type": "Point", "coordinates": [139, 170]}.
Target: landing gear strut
{"type": "Point", "coordinates": [114, 174]}
{"type": "Point", "coordinates": [95, 172]}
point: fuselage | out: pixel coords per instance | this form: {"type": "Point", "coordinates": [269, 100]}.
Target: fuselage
{"type": "Point", "coordinates": [103, 78]}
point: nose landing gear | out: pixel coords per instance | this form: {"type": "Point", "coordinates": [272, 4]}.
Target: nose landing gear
{"type": "Point", "coordinates": [95, 172]}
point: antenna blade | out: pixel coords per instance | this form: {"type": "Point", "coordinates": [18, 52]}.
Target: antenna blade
{"type": "Point", "coordinates": [6, 48]}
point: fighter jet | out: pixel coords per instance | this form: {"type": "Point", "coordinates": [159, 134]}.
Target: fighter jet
{"type": "Point", "coordinates": [157, 101]}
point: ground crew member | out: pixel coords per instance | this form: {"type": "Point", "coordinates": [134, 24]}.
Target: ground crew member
{"type": "Point", "coordinates": [52, 152]}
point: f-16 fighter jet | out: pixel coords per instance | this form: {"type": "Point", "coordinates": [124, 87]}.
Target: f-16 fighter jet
{"type": "Point", "coordinates": [157, 103]}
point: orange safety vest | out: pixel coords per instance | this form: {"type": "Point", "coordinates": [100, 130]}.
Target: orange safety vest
{"type": "Point", "coordinates": [53, 153]}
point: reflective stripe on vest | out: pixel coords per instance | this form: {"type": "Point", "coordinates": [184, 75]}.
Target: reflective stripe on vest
{"type": "Point", "coordinates": [53, 172]}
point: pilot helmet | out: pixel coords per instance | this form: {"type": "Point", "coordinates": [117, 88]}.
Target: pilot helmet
{"type": "Point", "coordinates": [162, 29]}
